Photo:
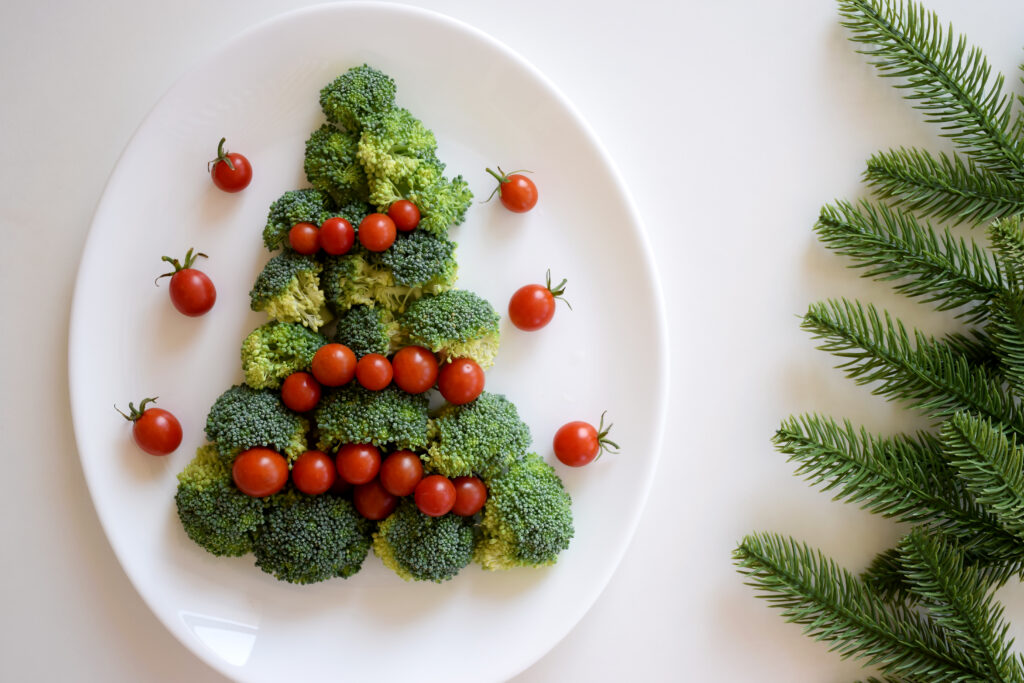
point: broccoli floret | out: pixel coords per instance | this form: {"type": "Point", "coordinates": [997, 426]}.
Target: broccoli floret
{"type": "Point", "coordinates": [363, 277]}
{"type": "Point", "coordinates": [421, 260]}
{"type": "Point", "coordinates": [482, 437]}
{"type": "Point", "coordinates": [275, 350]}
{"type": "Point", "coordinates": [353, 414]}
{"type": "Point", "coordinates": [242, 418]}
{"type": "Point", "coordinates": [331, 165]}
{"type": "Point", "coordinates": [354, 212]}
{"type": "Point", "coordinates": [360, 93]}
{"type": "Point", "coordinates": [213, 512]}
{"type": "Point", "coordinates": [288, 289]}
{"type": "Point", "coordinates": [527, 519]}
{"type": "Point", "coordinates": [422, 548]}
{"type": "Point", "coordinates": [294, 206]}
{"type": "Point", "coordinates": [455, 324]}
{"type": "Point", "coordinates": [307, 539]}
{"type": "Point", "coordinates": [367, 329]}
{"type": "Point", "coordinates": [442, 204]}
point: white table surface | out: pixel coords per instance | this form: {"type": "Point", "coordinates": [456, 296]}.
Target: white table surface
{"type": "Point", "coordinates": [732, 122]}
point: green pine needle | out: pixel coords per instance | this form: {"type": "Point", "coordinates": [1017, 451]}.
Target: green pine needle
{"type": "Point", "coordinates": [1007, 238]}
{"type": "Point", "coordinates": [1007, 333]}
{"type": "Point", "coordinates": [885, 574]}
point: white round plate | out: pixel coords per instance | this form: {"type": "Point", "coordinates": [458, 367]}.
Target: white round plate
{"type": "Point", "coordinates": [487, 106]}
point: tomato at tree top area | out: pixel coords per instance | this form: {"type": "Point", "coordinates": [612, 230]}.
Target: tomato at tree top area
{"type": "Point", "coordinates": [155, 430]}
{"type": "Point", "coordinates": [533, 306]}
{"type": "Point", "coordinates": [415, 369]}
{"type": "Point", "coordinates": [405, 214]}
{"type": "Point", "coordinates": [314, 473]}
{"type": "Point", "coordinates": [377, 232]}
{"type": "Point", "coordinates": [192, 292]}
{"type": "Point", "coordinates": [578, 443]}
{"type": "Point", "coordinates": [516, 192]}
{"type": "Point", "coordinates": [231, 172]}
{"type": "Point", "coordinates": [260, 472]}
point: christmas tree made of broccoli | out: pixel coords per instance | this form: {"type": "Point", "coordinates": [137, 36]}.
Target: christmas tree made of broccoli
{"type": "Point", "coordinates": [369, 154]}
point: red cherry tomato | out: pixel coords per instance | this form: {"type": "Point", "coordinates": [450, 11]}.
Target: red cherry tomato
{"type": "Point", "coordinates": [155, 430]}
{"type": "Point", "coordinates": [372, 501]}
{"type": "Point", "coordinates": [460, 381]}
{"type": "Point", "coordinates": [314, 473]}
{"type": "Point", "coordinates": [192, 292]}
{"type": "Point", "coordinates": [374, 371]}
{"type": "Point", "coordinates": [400, 472]}
{"type": "Point", "coordinates": [337, 236]}
{"type": "Point", "coordinates": [300, 392]}
{"type": "Point", "coordinates": [415, 369]}
{"type": "Point", "coordinates": [230, 172]}
{"type": "Point", "coordinates": [435, 495]}
{"type": "Point", "coordinates": [377, 232]}
{"type": "Point", "coordinates": [304, 238]}
{"type": "Point", "coordinates": [533, 306]}
{"type": "Point", "coordinates": [358, 463]}
{"type": "Point", "coordinates": [405, 214]}
{"type": "Point", "coordinates": [470, 496]}
{"type": "Point", "coordinates": [516, 191]}
{"type": "Point", "coordinates": [260, 472]}
{"type": "Point", "coordinates": [578, 443]}
{"type": "Point", "coordinates": [334, 365]}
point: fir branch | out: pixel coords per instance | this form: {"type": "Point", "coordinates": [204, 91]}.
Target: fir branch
{"type": "Point", "coordinates": [942, 186]}
{"type": "Point", "coordinates": [1007, 331]}
{"type": "Point", "coordinates": [892, 245]}
{"type": "Point", "coordinates": [884, 574]}
{"type": "Point", "coordinates": [952, 84]}
{"type": "Point", "coordinates": [1007, 238]}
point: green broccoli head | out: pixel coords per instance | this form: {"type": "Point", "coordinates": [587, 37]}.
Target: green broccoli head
{"type": "Point", "coordinates": [213, 512]}
{"type": "Point", "coordinates": [294, 206]}
{"type": "Point", "coordinates": [331, 165]}
{"type": "Point", "coordinates": [307, 539]}
{"type": "Point", "coordinates": [455, 324]}
{"type": "Point", "coordinates": [354, 212]}
{"type": "Point", "coordinates": [367, 329]}
{"type": "Point", "coordinates": [288, 290]}
{"type": "Point", "coordinates": [421, 260]}
{"type": "Point", "coordinates": [390, 417]}
{"type": "Point", "coordinates": [242, 418]}
{"type": "Point", "coordinates": [422, 548]}
{"type": "Point", "coordinates": [527, 519]}
{"type": "Point", "coordinates": [275, 350]}
{"type": "Point", "coordinates": [442, 204]}
{"type": "Point", "coordinates": [359, 94]}
{"type": "Point", "coordinates": [483, 437]}
{"type": "Point", "coordinates": [361, 277]}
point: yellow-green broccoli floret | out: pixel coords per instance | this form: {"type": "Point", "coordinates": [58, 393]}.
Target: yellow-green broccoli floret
{"type": "Point", "coordinates": [527, 519]}
{"type": "Point", "coordinates": [288, 290]}
{"type": "Point", "coordinates": [275, 350]}
{"type": "Point", "coordinates": [483, 437]}
{"type": "Point", "coordinates": [355, 279]}
{"type": "Point", "coordinates": [213, 512]}
{"type": "Point", "coordinates": [360, 93]}
{"type": "Point", "coordinates": [422, 548]}
{"type": "Point", "coordinates": [331, 165]}
{"type": "Point", "coordinates": [242, 418]}
{"type": "Point", "coordinates": [294, 206]}
{"type": "Point", "coordinates": [389, 417]}
{"type": "Point", "coordinates": [454, 324]}
{"type": "Point", "coordinates": [367, 329]}
{"type": "Point", "coordinates": [307, 539]}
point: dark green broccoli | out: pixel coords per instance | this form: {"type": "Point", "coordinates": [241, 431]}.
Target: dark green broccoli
{"type": "Point", "coordinates": [527, 519]}
{"type": "Point", "coordinates": [455, 324]}
{"type": "Point", "coordinates": [288, 290]}
{"type": "Point", "coordinates": [422, 548]}
{"type": "Point", "coordinates": [331, 165]}
{"type": "Point", "coordinates": [353, 414]}
{"type": "Point", "coordinates": [307, 539]}
{"type": "Point", "coordinates": [213, 512]}
{"type": "Point", "coordinates": [354, 212]}
{"type": "Point", "coordinates": [360, 93]}
{"type": "Point", "coordinates": [483, 437]}
{"type": "Point", "coordinates": [275, 350]}
{"type": "Point", "coordinates": [294, 206]}
{"type": "Point", "coordinates": [367, 329]}
{"type": "Point", "coordinates": [242, 418]}
{"type": "Point", "coordinates": [421, 260]}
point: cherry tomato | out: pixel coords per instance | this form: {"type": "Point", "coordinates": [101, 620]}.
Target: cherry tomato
{"type": "Point", "coordinates": [533, 306]}
{"type": "Point", "coordinates": [192, 292]}
{"type": "Point", "coordinates": [435, 495]}
{"type": "Point", "coordinates": [470, 496]}
{"type": "Point", "coordinates": [372, 501]}
{"type": "Point", "coordinates": [415, 369]}
{"type": "Point", "coordinates": [155, 430]}
{"type": "Point", "coordinates": [231, 172]}
{"type": "Point", "coordinates": [334, 365]}
{"type": "Point", "coordinates": [304, 238]}
{"type": "Point", "coordinates": [578, 443]}
{"type": "Point", "coordinates": [460, 381]}
{"type": "Point", "coordinates": [405, 214]}
{"type": "Point", "coordinates": [260, 472]}
{"type": "Point", "coordinates": [374, 371]}
{"type": "Point", "coordinates": [358, 463]}
{"type": "Point", "coordinates": [516, 191]}
{"type": "Point", "coordinates": [300, 392]}
{"type": "Point", "coordinates": [337, 236]}
{"type": "Point", "coordinates": [376, 232]}
{"type": "Point", "coordinates": [314, 473]}
{"type": "Point", "coordinates": [400, 472]}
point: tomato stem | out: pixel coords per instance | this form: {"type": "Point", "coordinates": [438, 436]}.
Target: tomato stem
{"type": "Point", "coordinates": [133, 412]}
{"type": "Point", "coordinates": [222, 155]}
{"type": "Point", "coordinates": [190, 259]}
{"type": "Point", "coordinates": [603, 440]}
{"type": "Point", "coordinates": [558, 290]}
